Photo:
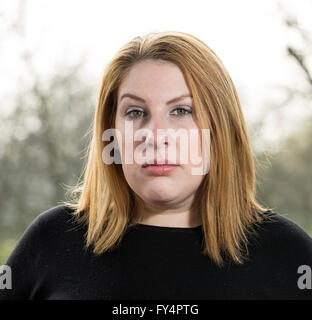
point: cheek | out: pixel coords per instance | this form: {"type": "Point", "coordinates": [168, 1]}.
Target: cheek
{"type": "Point", "coordinates": [195, 151]}
{"type": "Point", "coordinates": [119, 134]}
{"type": "Point", "coordinates": [122, 142]}
{"type": "Point", "coordinates": [131, 174]}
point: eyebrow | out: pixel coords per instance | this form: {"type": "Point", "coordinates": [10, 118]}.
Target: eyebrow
{"type": "Point", "coordinates": [129, 95]}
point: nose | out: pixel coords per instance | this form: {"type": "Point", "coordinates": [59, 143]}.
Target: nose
{"type": "Point", "coordinates": [159, 132]}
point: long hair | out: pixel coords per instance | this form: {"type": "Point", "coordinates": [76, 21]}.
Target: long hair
{"type": "Point", "coordinates": [226, 197]}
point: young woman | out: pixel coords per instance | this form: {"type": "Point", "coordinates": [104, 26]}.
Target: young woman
{"type": "Point", "coordinates": [148, 225]}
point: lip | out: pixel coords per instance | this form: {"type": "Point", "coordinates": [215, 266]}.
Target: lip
{"type": "Point", "coordinates": [160, 169]}
{"type": "Point", "coordinates": [160, 162]}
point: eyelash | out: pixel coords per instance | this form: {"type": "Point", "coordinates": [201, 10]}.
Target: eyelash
{"type": "Point", "coordinates": [178, 108]}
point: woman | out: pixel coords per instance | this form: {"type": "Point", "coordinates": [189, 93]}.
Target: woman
{"type": "Point", "coordinates": [148, 225]}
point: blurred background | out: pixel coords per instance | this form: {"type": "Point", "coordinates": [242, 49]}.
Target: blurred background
{"type": "Point", "coordinates": [53, 54]}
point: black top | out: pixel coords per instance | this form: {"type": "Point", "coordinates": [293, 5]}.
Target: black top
{"type": "Point", "coordinates": [154, 262]}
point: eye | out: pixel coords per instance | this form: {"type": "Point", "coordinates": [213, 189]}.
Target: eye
{"type": "Point", "coordinates": [134, 113]}
{"type": "Point", "coordinates": [182, 111]}
{"type": "Point", "coordinates": [179, 111]}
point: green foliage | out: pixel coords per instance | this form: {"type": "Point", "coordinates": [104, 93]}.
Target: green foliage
{"type": "Point", "coordinates": [6, 247]}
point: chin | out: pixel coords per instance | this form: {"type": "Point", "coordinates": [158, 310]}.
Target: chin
{"type": "Point", "coordinates": [160, 201]}
{"type": "Point", "coordinates": [159, 195]}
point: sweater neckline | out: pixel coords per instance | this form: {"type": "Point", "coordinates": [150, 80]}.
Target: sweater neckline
{"type": "Point", "coordinates": [142, 226]}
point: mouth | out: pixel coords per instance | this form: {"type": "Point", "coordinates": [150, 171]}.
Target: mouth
{"type": "Point", "coordinates": [160, 169]}
{"type": "Point", "coordinates": [160, 163]}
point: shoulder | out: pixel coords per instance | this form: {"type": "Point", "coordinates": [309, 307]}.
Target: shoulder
{"type": "Point", "coordinates": [279, 226]}
{"type": "Point", "coordinates": [51, 225]}
{"type": "Point", "coordinates": [52, 230]}
{"type": "Point", "coordinates": [281, 233]}
{"type": "Point", "coordinates": [44, 241]}
{"type": "Point", "coordinates": [56, 222]}
{"type": "Point", "coordinates": [56, 214]}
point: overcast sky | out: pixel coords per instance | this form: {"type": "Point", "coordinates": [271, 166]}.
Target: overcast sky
{"type": "Point", "coordinates": [248, 35]}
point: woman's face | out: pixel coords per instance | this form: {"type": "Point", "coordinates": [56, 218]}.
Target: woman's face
{"type": "Point", "coordinates": [156, 83]}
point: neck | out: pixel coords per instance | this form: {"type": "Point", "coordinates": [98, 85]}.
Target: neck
{"type": "Point", "coordinates": [180, 215]}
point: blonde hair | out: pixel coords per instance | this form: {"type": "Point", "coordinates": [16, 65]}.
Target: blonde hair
{"type": "Point", "coordinates": [225, 198]}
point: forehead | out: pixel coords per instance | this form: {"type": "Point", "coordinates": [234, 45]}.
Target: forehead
{"type": "Point", "coordinates": [154, 79]}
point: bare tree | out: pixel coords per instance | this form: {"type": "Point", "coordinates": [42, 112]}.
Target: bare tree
{"type": "Point", "coordinates": [46, 134]}
{"type": "Point", "coordinates": [285, 181]}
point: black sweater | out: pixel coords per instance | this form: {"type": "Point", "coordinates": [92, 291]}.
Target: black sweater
{"type": "Point", "coordinates": [153, 262]}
